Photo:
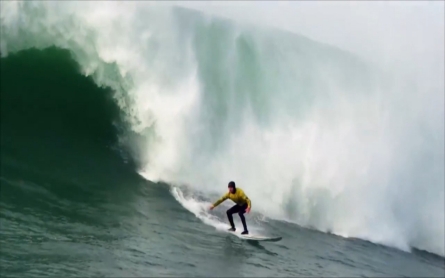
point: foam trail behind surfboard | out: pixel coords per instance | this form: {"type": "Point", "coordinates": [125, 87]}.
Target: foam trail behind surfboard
{"type": "Point", "coordinates": [198, 208]}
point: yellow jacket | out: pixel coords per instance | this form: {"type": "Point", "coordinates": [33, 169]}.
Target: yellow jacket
{"type": "Point", "coordinates": [238, 197]}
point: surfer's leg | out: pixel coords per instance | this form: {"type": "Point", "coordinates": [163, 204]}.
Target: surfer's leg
{"type": "Point", "coordinates": [231, 211]}
{"type": "Point", "coordinates": [243, 219]}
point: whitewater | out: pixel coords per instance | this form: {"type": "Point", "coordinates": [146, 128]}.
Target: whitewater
{"type": "Point", "coordinates": [314, 134]}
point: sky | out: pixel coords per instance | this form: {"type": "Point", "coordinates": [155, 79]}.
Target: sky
{"type": "Point", "coordinates": [389, 31]}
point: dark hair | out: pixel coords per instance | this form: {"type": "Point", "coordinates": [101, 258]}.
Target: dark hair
{"type": "Point", "coordinates": [232, 184]}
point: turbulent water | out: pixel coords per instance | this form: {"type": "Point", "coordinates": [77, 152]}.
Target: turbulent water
{"type": "Point", "coordinates": [122, 122]}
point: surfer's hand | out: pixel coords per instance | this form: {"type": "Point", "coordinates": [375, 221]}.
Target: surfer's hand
{"type": "Point", "coordinates": [248, 210]}
{"type": "Point", "coordinates": [211, 207]}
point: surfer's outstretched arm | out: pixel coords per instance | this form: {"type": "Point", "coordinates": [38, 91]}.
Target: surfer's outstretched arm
{"type": "Point", "coordinates": [220, 200]}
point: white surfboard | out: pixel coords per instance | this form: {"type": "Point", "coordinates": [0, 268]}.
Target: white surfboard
{"type": "Point", "coordinates": [260, 237]}
{"type": "Point", "coordinates": [255, 237]}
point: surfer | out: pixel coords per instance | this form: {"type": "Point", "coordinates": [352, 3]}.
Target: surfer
{"type": "Point", "coordinates": [242, 205]}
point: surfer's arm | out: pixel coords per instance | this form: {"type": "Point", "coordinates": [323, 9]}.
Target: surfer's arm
{"type": "Point", "coordinates": [245, 198]}
{"type": "Point", "coordinates": [222, 199]}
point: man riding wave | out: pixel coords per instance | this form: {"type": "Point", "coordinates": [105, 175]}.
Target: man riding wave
{"type": "Point", "coordinates": [242, 205]}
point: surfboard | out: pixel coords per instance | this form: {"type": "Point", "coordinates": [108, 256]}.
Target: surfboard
{"type": "Point", "coordinates": [260, 238]}
{"type": "Point", "coordinates": [254, 237]}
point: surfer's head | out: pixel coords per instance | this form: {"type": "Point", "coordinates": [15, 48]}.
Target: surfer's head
{"type": "Point", "coordinates": [232, 187]}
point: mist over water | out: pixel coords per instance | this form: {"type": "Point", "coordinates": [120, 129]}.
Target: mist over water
{"type": "Point", "coordinates": [314, 134]}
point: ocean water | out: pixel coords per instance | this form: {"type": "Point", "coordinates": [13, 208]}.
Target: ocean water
{"type": "Point", "coordinates": [122, 122]}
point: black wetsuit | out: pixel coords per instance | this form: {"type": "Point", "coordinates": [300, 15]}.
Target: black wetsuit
{"type": "Point", "coordinates": [240, 209]}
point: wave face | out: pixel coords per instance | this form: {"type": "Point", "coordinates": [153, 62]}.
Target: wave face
{"type": "Point", "coordinates": [45, 88]}
{"type": "Point", "coordinates": [313, 134]}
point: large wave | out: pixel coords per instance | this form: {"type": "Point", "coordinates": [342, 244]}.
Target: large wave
{"type": "Point", "coordinates": [313, 134]}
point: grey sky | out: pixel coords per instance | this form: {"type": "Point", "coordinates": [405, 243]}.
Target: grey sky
{"type": "Point", "coordinates": [389, 30]}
